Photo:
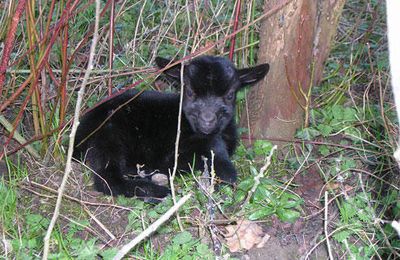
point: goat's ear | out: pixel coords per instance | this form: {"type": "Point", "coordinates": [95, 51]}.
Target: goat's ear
{"type": "Point", "coordinates": [249, 76]}
{"type": "Point", "coordinates": [173, 72]}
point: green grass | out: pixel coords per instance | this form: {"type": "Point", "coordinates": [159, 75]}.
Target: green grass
{"type": "Point", "coordinates": [348, 140]}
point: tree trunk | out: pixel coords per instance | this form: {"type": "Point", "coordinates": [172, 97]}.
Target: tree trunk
{"type": "Point", "coordinates": [295, 41]}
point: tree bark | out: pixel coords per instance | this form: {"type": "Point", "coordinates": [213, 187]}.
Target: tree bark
{"type": "Point", "coordinates": [295, 41]}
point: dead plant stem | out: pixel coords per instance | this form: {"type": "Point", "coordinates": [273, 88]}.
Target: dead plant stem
{"type": "Point", "coordinates": [260, 175]}
{"type": "Point", "coordinates": [328, 244]}
{"type": "Point", "coordinates": [153, 227]}
{"type": "Point", "coordinates": [75, 124]}
{"type": "Point", "coordinates": [178, 130]}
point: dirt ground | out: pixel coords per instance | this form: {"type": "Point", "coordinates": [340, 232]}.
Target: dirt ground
{"type": "Point", "coordinates": [287, 241]}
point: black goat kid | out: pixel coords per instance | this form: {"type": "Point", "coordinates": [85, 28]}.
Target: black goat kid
{"type": "Point", "coordinates": [140, 128]}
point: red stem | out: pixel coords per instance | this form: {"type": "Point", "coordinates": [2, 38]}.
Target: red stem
{"type": "Point", "coordinates": [52, 76]}
{"type": "Point", "coordinates": [64, 74]}
{"type": "Point", "coordinates": [235, 27]}
{"type": "Point", "coordinates": [61, 23]}
{"type": "Point", "coordinates": [299, 141]}
{"type": "Point", "coordinates": [10, 42]}
{"type": "Point", "coordinates": [43, 61]}
{"type": "Point", "coordinates": [64, 17]}
{"type": "Point", "coordinates": [111, 45]}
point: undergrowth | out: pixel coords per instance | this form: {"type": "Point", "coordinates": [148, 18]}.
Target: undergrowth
{"type": "Point", "coordinates": [351, 137]}
{"type": "Point", "coordinates": [348, 142]}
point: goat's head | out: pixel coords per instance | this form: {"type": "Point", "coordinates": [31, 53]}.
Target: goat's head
{"type": "Point", "coordinates": [210, 87]}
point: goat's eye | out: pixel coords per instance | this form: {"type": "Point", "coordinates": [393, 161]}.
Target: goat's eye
{"type": "Point", "coordinates": [230, 96]}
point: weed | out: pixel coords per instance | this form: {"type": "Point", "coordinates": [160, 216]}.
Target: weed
{"type": "Point", "coordinates": [348, 140]}
{"type": "Point", "coordinates": [184, 246]}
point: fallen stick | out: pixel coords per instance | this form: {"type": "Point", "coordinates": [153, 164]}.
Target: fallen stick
{"type": "Point", "coordinates": [153, 227]}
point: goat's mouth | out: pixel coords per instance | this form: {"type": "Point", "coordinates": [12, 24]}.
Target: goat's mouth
{"type": "Point", "coordinates": [206, 128]}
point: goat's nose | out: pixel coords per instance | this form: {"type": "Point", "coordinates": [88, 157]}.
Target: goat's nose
{"type": "Point", "coordinates": [208, 117]}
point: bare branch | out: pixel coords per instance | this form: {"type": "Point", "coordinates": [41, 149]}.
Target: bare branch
{"type": "Point", "coordinates": [73, 132]}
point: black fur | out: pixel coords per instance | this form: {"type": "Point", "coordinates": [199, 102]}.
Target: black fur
{"type": "Point", "coordinates": [141, 128]}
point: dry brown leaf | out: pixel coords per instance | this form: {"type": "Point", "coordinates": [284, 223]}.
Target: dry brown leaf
{"type": "Point", "coordinates": [245, 235]}
{"type": "Point", "coordinates": [263, 241]}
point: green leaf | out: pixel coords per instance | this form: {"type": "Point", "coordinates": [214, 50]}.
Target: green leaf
{"type": "Point", "coordinates": [325, 130]}
{"type": "Point", "coordinates": [152, 214]}
{"type": "Point", "coordinates": [109, 253]}
{"type": "Point", "coordinates": [203, 250]}
{"type": "Point", "coordinates": [341, 235]}
{"type": "Point", "coordinates": [308, 134]}
{"type": "Point", "coordinates": [396, 210]}
{"type": "Point", "coordinates": [288, 215]}
{"type": "Point", "coordinates": [240, 195]}
{"type": "Point", "coordinates": [262, 213]}
{"type": "Point", "coordinates": [288, 199]}
{"type": "Point", "coordinates": [240, 95]}
{"type": "Point", "coordinates": [348, 164]}
{"type": "Point", "coordinates": [182, 238]}
{"type": "Point", "coordinates": [337, 112]}
{"type": "Point", "coordinates": [262, 147]}
{"type": "Point", "coordinates": [364, 216]}
{"type": "Point", "coordinates": [347, 211]}
{"type": "Point", "coordinates": [349, 114]}
{"type": "Point", "coordinates": [246, 184]}
{"type": "Point", "coordinates": [261, 194]}
{"type": "Point", "coordinates": [253, 171]}
{"type": "Point", "coordinates": [292, 203]}
{"type": "Point", "coordinates": [324, 150]}
{"type": "Point", "coordinates": [87, 250]}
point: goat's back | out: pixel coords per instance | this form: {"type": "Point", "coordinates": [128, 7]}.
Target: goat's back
{"type": "Point", "coordinates": [131, 116]}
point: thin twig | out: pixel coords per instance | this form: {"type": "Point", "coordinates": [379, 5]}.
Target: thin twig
{"type": "Point", "coordinates": [176, 153]}
{"type": "Point", "coordinates": [307, 256]}
{"type": "Point", "coordinates": [153, 227]}
{"type": "Point", "coordinates": [111, 46]}
{"type": "Point", "coordinates": [260, 175]}
{"type": "Point", "coordinates": [300, 141]}
{"type": "Point", "coordinates": [207, 186]}
{"type": "Point", "coordinates": [178, 130]}
{"type": "Point", "coordinates": [296, 173]}
{"type": "Point", "coordinates": [98, 222]}
{"type": "Point", "coordinates": [75, 124]}
{"type": "Point", "coordinates": [235, 26]}
{"type": "Point", "coordinates": [328, 245]}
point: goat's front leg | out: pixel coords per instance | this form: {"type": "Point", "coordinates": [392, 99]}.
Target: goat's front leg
{"type": "Point", "coordinates": [223, 165]}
